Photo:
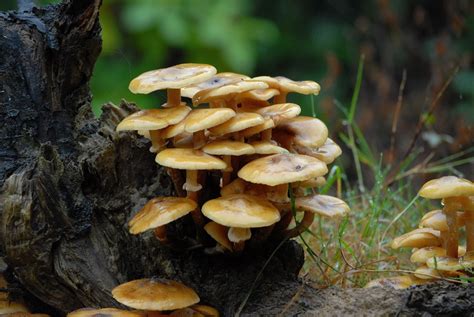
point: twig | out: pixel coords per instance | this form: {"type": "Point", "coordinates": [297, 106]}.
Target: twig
{"type": "Point", "coordinates": [396, 116]}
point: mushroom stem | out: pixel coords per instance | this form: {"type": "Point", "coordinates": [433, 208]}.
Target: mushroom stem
{"type": "Point", "coordinates": [160, 234]}
{"type": "Point", "coordinates": [468, 207]}
{"type": "Point", "coordinates": [452, 236]}
{"type": "Point", "coordinates": [196, 213]}
{"type": "Point", "coordinates": [173, 97]}
{"type": "Point", "coordinates": [199, 139]}
{"type": "Point", "coordinates": [266, 135]}
{"type": "Point", "coordinates": [238, 246]}
{"type": "Point", "coordinates": [286, 216]}
{"type": "Point", "coordinates": [227, 173]}
{"type": "Point", "coordinates": [301, 227]}
{"type": "Point", "coordinates": [281, 98]}
{"type": "Point", "coordinates": [192, 184]}
{"type": "Point", "coordinates": [157, 142]}
{"type": "Point", "coordinates": [177, 179]}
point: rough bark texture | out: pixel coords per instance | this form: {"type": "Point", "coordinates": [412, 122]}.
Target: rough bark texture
{"type": "Point", "coordinates": [70, 183]}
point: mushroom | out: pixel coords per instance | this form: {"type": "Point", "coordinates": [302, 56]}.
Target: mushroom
{"type": "Point", "coordinates": [196, 311]}
{"type": "Point", "coordinates": [327, 153]}
{"type": "Point", "coordinates": [201, 119]}
{"type": "Point", "coordinates": [158, 212]}
{"type": "Point", "coordinates": [239, 122]}
{"type": "Point", "coordinates": [285, 86]}
{"type": "Point", "coordinates": [172, 79]}
{"type": "Point", "coordinates": [219, 234]}
{"type": "Point", "coordinates": [218, 80]}
{"type": "Point", "coordinates": [267, 147]}
{"type": "Point", "coordinates": [304, 131]}
{"type": "Point", "coordinates": [455, 193]}
{"type": "Point", "coordinates": [192, 161]}
{"type": "Point", "coordinates": [278, 113]}
{"type": "Point", "coordinates": [448, 263]}
{"type": "Point", "coordinates": [105, 312]}
{"type": "Point", "coordinates": [423, 254]}
{"type": "Point", "coordinates": [257, 97]}
{"type": "Point", "coordinates": [267, 124]}
{"type": "Point", "coordinates": [418, 238]}
{"type": "Point", "coordinates": [228, 149]}
{"type": "Point", "coordinates": [155, 294]}
{"type": "Point", "coordinates": [238, 236]}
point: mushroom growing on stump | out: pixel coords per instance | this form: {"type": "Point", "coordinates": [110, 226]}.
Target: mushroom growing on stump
{"type": "Point", "coordinates": [455, 193]}
{"type": "Point", "coordinates": [172, 79]}
{"type": "Point", "coordinates": [155, 294]}
{"type": "Point", "coordinates": [158, 212]}
{"type": "Point", "coordinates": [285, 85]}
{"type": "Point", "coordinates": [192, 161]}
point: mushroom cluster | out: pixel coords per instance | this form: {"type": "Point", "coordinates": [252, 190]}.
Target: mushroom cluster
{"type": "Point", "coordinates": [437, 250]}
{"type": "Point", "coordinates": [258, 148]}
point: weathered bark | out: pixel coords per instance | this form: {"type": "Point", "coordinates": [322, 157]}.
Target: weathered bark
{"type": "Point", "coordinates": [70, 183]}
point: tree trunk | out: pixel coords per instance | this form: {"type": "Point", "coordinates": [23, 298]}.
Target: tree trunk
{"type": "Point", "coordinates": [70, 183]}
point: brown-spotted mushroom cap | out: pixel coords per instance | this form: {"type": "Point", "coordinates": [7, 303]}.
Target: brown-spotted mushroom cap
{"type": "Point", "coordinates": [227, 147]}
{"type": "Point", "coordinates": [280, 112]}
{"type": "Point", "coordinates": [226, 91]}
{"type": "Point", "coordinates": [267, 147]}
{"type": "Point", "coordinates": [200, 119]}
{"type": "Point", "coordinates": [155, 294]}
{"type": "Point", "coordinates": [174, 77]}
{"type": "Point", "coordinates": [189, 159]}
{"type": "Point", "coordinates": [326, 153]}
{"type": "Point", "coordinates": [447, 186]}
{"type": "Point", "coordinates": [153, 119]}
{"type": "Point", "coordinates": [240, 121]}
{"type": "Point", "coordinates": [218, 80]}
{"type": "Point", "coordinates": [305, 131]}
{"type": "Point", "coordinates": [240, 210]}
{"type": "Point", "coordinates": [282, 168]}
{"type": "Point", "coordinates": [218, 232]}
{"type": "Point", "coordinates": [104, 312]}
{"type": "Point", "coordinates": [323, 205]}
{"type": "Point", "coordinates": [160, 211]}
{"type": "Point", "coordinates": [418, 238]}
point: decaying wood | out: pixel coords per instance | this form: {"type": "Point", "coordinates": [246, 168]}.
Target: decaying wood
{"type": "Point", "coordinates": [70, 183]}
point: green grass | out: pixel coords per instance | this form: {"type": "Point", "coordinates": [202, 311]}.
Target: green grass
{"type": "Point", "coordinates": [354, 250]}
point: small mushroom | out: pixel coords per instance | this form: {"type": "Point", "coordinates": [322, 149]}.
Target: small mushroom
{"type": "Point", "coordinates": [286, 85]}
{"type": "Point", "coordinates": [418, 238]}
{"type": "Point", "coordinates": [239, 122]}
{"type": "Point", "coordinates": [227, 92]}
{"type": "Point", "coordinates": [218, 80]}
{"type": "Point", "coordinates": [326, 153]}
{"type": "Point", "coordinates": [304, 131]}
{"type": "Point", "coordinates": [155, 294]}
{"type": "Point", "coordinates": [423, 254]}
{"type": "Point", "coordinates": [446, 263]}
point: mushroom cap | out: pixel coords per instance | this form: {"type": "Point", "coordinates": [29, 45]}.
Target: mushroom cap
{"type": "Point", "coordinates": [104, 312]}
{"type": "Point", "coordinates": [445, 263]}
{"type": "Point", "coordinates": [153, 119]}
{"type": "Point", "coordinates": [200, 119]}
{"type": "Point", "coordinates": [323, 205]}
{"type": "Point", "coordinates": [173, 130]}
{"type": "Point", "coordinates": [219, 233]}
{"type": "Point", "coordinates": [189, 159]}
{"type": "Point", "coordinates": [155, 294]}
{"type": "Point", "coordinates": [227, 91]}
{"type": "Point", "coordinates": [160, 211]}
{"type": "Point", "coordinates": [327, 153]}
{"type": "Point", "coordinates": [423, 254]}
{"type": "Point", "coordinates": [174, 77]}
{"type": "Point", "coordinates": [240, 121]}
{"type": "Point", "coordinates": [436, 219]}
{"type": "Point", "coordinates": [418, 238]}
{"type": "Point", "coordinates": [259, 94]}
{"type": "Point", "coordinates": [311, 183]}
{"type": "Point", "coordinates": [267, 147]}
{"type": "Point", "coordinates": [237, 235]}
{"type": "Point", "coordinates": [183, 140]}
{"type": "Point", "coordinates": [240, 210]}
{"type": "Point", "coordinates": [226, 147]}
{"type": "Point", "coordinates": [396, 282]}
{"type": "Point", "coordinates": [267, 124]}
{"type": "Point", "coordinates": [275, 194]}
{"type": "Point", "coordinates": [447, 186]}
{"type": "Point", "coordinates": [287, 85]}
{"type": "Point", "coordinates": [218, 80]}
{"type": "Point", "coordinates": [282, 168]}
{"type": "Point", "coordinates": [280, 111]}
{"type": "Point", "coordinates": [426, 273]}
{"type": "Point", "coordinates": [305, 131]}
{"type": "Point", "coordinates": [207, 311]}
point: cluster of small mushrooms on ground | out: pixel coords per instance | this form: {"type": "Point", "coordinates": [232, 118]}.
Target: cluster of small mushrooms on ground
{"type": "Point", "coordinates": [437, 250]}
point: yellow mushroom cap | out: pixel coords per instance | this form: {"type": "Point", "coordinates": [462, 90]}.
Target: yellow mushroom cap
{"type": "Point", "coordinates": [280, 112]}
{"type": "Point", "coordinates": [447, 186]}
{"type": "Point", "coordinates": [226, 91]}
{"type": "Point", "coordinates": [276, 194]}
{"type": "Point", "coordinates": [104, 312]}
{"type": "Point", "coordinates": [153, 119]}
{"type": "Point", "coordinates": [155, 294]}
{"type": "Point", "coordinates": [287, 85]}
{"type": "Point", "coordinates": [426, 273]}
{"type": "Point", "coordinates": [267, 124]}
{"type": "Point", "coordinates": [305, 131]}
{"type": "Point", "coordinates": [267, 147]}
{"type": "Point", "coordinates": [327, 153]}
{"type": "Point", "coordinates": [219, 233]}
{"type": "Point", "coordinates": [444, 263]}
{"type": "Point", "coordinates": [259, 94]}
{"type": "Point", "coordinates": [173, 130]}
{"type": "Point", "coordinates": [396, 282]}
{"type": "Point", "coordinates": [218, 80]}
{"type": "Point", "coordinates": [173, 77]}
{"type": "Point", "coordinates": [240, 121]}
{"type": "Point", "coordinates": [226, 147]}
{"type": "Point", "coordinates": [200, 119]}
{"type": "Point", "coordinates": [282, 168]}
{"type": "Point", "coordinates": [423, 254]}
{"type": "Point", "coordinates": [207, 311]}
{"type": "Point", "coordinates": [418, 238]}
{"type": "Point", "coordinates": [160, 211]}
{"type": "Point", "coordinates": [323, 205]}
{"type": "Point", "coordinates": [189, 159]}
{"type": "Point", "coordinates": [436, 219]}
{"type": "Point", "coordinates": [240, 210]}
